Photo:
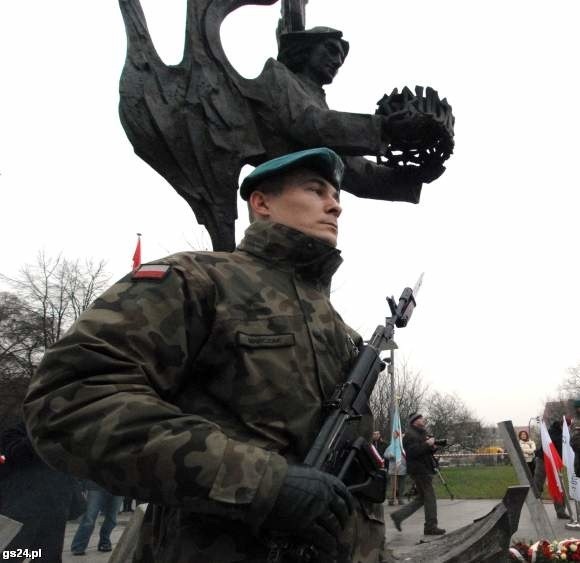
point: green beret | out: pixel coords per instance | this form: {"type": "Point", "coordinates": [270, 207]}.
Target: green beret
{"type": "Point", "coordinates": [322, 160]}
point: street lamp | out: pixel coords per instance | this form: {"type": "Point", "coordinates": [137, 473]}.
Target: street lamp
{"type": "Point", "coordinates": [537, 419]}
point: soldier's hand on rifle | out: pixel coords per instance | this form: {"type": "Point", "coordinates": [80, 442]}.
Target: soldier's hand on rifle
{"type": "Point", "coordinates": [313, 506]}
{"type": "Point", "coordinates": [431, 441]}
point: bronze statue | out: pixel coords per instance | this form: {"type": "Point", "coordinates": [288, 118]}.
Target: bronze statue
{"type": "Point", "coordinates": [197, 123]}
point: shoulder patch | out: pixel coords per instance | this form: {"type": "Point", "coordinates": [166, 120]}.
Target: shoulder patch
{"type": "Point", "coordinates": [151, 272]}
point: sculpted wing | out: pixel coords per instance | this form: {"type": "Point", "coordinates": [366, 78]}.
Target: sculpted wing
{"type": "Point", "coordinates": [189, 121]}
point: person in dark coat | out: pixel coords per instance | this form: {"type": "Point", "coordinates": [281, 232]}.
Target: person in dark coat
{"type": "Point", "coordinates": [35, 495]}
{"type": "Point", "coordinates": [575, 436]}
{"type": "Point", "coordinates": [419, 449]}
{"type": "Point", "coordinates": [555, 432]}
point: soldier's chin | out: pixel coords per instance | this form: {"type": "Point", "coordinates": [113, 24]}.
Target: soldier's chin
{"type": "Point", "coordinates": [328, 237]}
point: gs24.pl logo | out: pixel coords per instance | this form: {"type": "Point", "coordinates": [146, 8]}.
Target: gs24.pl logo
{"type": "Point", "coordinates": [18, 553]}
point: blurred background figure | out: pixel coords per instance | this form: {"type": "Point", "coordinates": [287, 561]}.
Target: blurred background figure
{"type": "Point", "coordinates": [555, 431]}
{"type": "Point", "coordinates": [35, 495]}
{"type": "Point", "coordinates": [127, 504]}
{"type": "Point", "coordinates": [419, 448]}
{"type": "Point", "coordinates": [397, 477]}
{"type": "Point", "coordinates": [98, 500]}
{"type": "Point", "coordinates": [528, 448]}
{"type": "Point", "coordinates": [378, 442]}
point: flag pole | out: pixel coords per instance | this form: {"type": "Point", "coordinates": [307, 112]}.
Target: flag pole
{"type": "Point", "coordinates": [391, 372]}
{"type": "Point", "coordinates": [567, 502]}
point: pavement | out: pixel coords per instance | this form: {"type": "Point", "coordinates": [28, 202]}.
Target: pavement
{"type": "Point", "coordinates": [452, 515]}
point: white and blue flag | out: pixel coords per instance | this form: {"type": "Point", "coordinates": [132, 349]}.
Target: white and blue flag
{"type": "Point", "coordinates": [395, 451]}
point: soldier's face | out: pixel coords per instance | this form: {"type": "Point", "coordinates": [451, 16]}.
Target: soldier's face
{"type": "Point", "coordinates": [325, 60]}
{"type": "Point", "coordinates": [307, 203]}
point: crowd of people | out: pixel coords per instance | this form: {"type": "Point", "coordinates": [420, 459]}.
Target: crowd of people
{"type": "Point", "coordinates": [534, 458]}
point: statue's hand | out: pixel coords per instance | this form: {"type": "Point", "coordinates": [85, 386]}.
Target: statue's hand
{"type": "Point", "coordinates": [431, 172]}
{"type": "Point", "coordinates": [403, 128]}
{"type": "Point", "coordinates": [420, 174]}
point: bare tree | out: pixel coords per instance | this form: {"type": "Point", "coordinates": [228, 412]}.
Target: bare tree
{"type": "Point", "coordinates": [379, 403]}
{"type": "Point", "coordinates": [410, 393]}
{"type": "Point", "coordinates": [46, 298]}
{"type": "Point", "coordinates": [449, 418]}
{"type": "Point", "coordinates": [20, 337]}
{"type": "Point", "coordinates": [570, 388]}
{"type": "Point", "coordinates": [57, 290]}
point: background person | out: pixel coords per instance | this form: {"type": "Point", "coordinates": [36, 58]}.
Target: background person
{"type": "Point", "coordinates": [35, 495]}
{"type": "Point", "coordinates": [127, 504]}
{"type": "Point", "coordinates": [397, 479]}
{"type": "Point", "coordinates": [378, 443]}
{"type": "Point", "coordinates": [197, 384]}
{"type": "Point", "coordinates": [419, 449]}
{"type": "Point", "coordinates": [575, 436]}
{"type": "Point", "coordinates": [98, 501]}
{"type": "Point", "coordinates": [555, 432]}
{"type": "Point", "coordinates": [528, 448]}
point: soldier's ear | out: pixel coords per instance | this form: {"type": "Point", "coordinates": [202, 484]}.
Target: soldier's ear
{"type": "Point", "coordinates": [258, 203]}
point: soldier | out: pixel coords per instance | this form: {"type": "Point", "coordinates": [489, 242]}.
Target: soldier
{"type": "Point", "coordinates": [196, 383]}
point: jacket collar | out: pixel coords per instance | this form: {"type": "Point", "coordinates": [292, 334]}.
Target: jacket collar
{"type": "Point", "coordinates": [289, 249]}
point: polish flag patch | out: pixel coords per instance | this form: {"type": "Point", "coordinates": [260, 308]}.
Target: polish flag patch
{"type": "Point", "coordinates": [151, 272]}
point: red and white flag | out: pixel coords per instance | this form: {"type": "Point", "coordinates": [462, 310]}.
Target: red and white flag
{"type": "Point", "coordinates": [553, 464]}
{"type": "Point", "coordinates": [137, 254]}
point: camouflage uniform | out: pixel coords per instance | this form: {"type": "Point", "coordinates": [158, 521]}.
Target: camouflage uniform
{"type": "Point", "coordinates": [194, 391]}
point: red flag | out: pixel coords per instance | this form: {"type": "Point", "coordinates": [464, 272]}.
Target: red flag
{"type": "Point", "coordinates": [137, 253]}
{"type": "Point", "coordinates": [553, 464]}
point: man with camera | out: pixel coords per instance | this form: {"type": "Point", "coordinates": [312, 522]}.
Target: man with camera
{"type": "Point", "coordinates": [419, 449]}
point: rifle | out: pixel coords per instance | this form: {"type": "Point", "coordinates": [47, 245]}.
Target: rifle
{"type": "Point", "coordinates": [339, 449]}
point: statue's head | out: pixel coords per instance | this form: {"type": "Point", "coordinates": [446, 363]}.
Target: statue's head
{"type": "Point", "coordinates": [318, 52]}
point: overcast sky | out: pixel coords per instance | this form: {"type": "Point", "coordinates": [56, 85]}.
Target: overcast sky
{"type": "Point", "coordinates": [496, 235]}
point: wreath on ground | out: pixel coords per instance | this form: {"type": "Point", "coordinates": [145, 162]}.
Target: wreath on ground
{"type": "Point", "coordinates": [544, 550]}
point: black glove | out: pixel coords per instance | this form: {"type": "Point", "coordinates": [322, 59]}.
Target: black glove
{"type": "Point", "coordinates": [313, 506]}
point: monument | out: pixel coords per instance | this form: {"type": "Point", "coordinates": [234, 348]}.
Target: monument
{"type": "Point", "coordinates": [199, 122]}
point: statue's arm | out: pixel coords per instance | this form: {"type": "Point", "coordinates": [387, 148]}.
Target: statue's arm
{"type": "Point", "coordinates": [365, 178]}
{"type": "Point", "coordinates": [290, 111]}
{"type": "Point", "coordinates": [352, 134]}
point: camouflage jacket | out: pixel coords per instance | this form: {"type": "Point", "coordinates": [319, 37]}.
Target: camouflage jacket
{"type": "Point", "coordinates": [193, 390]}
